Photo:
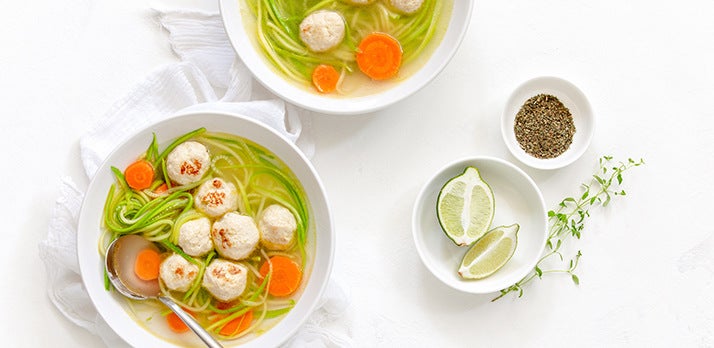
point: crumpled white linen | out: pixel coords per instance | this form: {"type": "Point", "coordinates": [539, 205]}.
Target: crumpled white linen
{"type": "Point", "coordinates": [209, 74]}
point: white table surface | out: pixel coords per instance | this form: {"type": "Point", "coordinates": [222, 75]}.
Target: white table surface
{"type": "Point", "coordinates": [647, 274]}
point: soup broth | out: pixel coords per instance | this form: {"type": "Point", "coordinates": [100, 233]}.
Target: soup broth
{"type": "Point", "coordinates": [274, 27]}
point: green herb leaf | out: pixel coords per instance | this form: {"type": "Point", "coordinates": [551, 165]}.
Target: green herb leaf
{"type": "Point", "coordinates": [599, 179]}
{"type": "Point", "coordinates": [569, 220]}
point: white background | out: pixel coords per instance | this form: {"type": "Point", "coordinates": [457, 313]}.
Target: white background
{"type": "Point", "coordinates": [647, 274]}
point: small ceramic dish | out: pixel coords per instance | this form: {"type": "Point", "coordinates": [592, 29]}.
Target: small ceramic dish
{"type": "Point", "coordinates": [572, 98]}
{"type": "Point", "coordinates": [518, 200]}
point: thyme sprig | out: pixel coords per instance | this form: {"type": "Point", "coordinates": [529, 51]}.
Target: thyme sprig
{"type": "Point", "coordinates": [568, 220]}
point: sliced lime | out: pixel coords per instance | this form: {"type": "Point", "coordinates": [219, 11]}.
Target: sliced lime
{"type": "Point", "coordinates": [490, 253]}
{"type": "Point", "coordinates": [465, 207]}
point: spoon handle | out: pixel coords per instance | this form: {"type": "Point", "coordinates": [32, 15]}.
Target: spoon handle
{"type": "Point", "coordinates": [191, 323]}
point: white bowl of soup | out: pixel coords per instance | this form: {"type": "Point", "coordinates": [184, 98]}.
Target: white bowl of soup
{"type": "Point", "coordinates": [345, 56]}
{"type": "Point", "coordinates": [266, 171]}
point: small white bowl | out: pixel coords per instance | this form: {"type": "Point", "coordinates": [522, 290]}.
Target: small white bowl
{"type": "Point", "coordinates": [518, 200]}
{"type": "Point", "coordinates": [572, 98]}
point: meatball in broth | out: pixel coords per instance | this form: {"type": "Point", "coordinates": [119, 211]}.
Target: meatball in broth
{"type": "Point", "coordinates": [216, 197]}
{"type": "Point", "coordinates": [177, 273]}
{"type": "Point", "coordinates": [322, 30]}
{"type": "Point", "coordinates": [277, 227]}
{"type": "Point", "coordinates": [195, 237]}
{"type": "Point", "coordinates": [235, 236]}
{"type": "Point", "coordinates": [187, 163]}
{"type": "Point", "coordinates": [225, 280]}
{"type": "Point", "coordinates": [406, 6]}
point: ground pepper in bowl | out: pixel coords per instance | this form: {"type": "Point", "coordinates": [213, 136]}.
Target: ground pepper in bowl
{"type": "Point", "coordinates": [544, 127]}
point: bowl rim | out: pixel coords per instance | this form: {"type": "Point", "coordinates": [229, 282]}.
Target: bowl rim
{"type": "Point", "coordinates": [418, 230]}
{"type": "Point", "coordinates": [567, 93]}
{"type": "Point", "coordinates": [268, 78]}
{"type": "Point", "coordinates": [106, 303]}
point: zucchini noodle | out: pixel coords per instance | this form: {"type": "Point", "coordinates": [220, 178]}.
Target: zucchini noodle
{"type": "Point", "coordinates": [278, 22]}
{"type": "Point", "coordinates": [261, 179]}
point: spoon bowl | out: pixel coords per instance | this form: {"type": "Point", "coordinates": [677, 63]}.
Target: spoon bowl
{"type": "Point", "coordinates": [151, 291]}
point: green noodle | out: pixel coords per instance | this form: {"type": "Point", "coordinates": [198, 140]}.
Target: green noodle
{"type": "Point", "coordinates": [278, 312]}
{"type": "Point", "coordinates": [190, 295]}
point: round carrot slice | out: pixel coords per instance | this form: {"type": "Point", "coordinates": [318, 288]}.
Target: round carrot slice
{"type": "Point", "coordinates": [176, 324]}
{"type": "Point", "coordinates": [379, 56]}
{"type": "Point", "coordinates": [325, 78]}
{"type": "Point", "coordinates": [286, 275]}
{"type": "Point", "coordinates": [139, 175]}
{"type": "Point", "coordinates": [147, 264]}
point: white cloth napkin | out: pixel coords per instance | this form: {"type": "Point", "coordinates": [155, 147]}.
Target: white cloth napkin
{"type": "Point", "coordinates": [208, 68]}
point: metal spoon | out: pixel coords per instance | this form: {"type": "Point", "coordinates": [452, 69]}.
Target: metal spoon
{"type": "Point", "coordinates": [124, 290]}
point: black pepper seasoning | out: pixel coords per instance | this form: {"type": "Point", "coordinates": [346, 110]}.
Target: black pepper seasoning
{"type": "Point", "coordinates": [544, 127]}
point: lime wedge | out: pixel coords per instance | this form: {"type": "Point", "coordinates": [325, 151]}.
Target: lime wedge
{"type": "Point", "coordinates": [465, 207]}
{"type": "Point", "coordinates": [490, 253]}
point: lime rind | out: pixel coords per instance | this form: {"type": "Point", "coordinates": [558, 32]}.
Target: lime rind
{"type": "Point", "coordinates": [465, 207]}
{"type": "Point", "coordinates": [490, 253]}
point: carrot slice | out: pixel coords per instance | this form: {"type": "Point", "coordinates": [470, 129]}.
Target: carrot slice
{"type": "Point", "coordinates": [176, 324]}
{"type": "Point", "coordinates": [139, 174]}
{"type": "Point", "coordinates": [237, 325]}
{"type": "Point", "coordinates": [147, 264]}
{"type": "Point", "coordinates": [286, 275]}
{"type": "Point", "coordinates": [325, 78]}
{"type": "Point", "coordinates": [379, 56]}
{"type": "Point", "coordinates": [161, 188]}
